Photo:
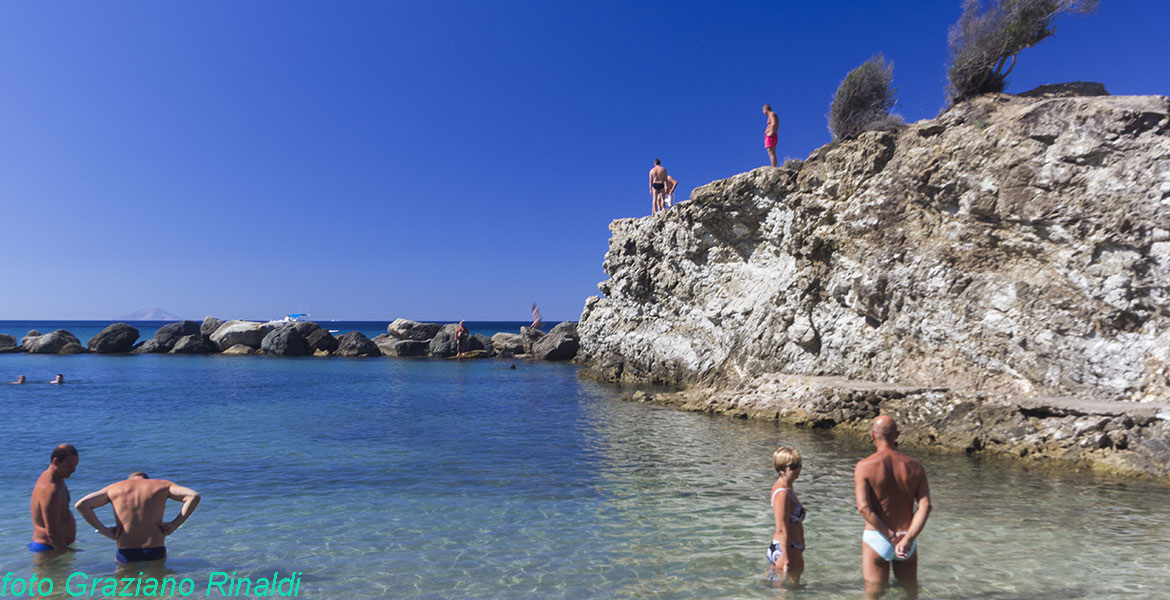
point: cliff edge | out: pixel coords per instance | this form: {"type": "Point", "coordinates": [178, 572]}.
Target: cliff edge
{"type": "Point", "coordinates": [1013, 252]}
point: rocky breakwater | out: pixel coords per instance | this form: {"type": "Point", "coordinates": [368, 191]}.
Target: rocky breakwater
{"type": "Point", "coordinates": [998, 277]}
{"type": "Point", "coordinates": [404, 338]}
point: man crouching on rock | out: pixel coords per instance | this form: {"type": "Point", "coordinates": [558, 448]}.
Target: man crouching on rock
{"type": "Point", "coordinates": [139, 504]}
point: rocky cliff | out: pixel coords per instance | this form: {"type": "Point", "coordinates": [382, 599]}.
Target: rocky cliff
{"type": "Point", "coordinates": [1013, 250]}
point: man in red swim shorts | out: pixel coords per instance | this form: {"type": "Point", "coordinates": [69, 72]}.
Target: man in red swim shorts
{"type": "Point", "coordinates": [771, 133]}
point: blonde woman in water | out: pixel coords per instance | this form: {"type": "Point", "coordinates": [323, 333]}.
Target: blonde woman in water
{"type": "Point", "coordinates": [787, 550]}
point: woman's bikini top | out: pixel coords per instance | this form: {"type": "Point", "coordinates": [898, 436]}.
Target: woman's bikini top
{"type": "Point", "coordinates": [798, 512]}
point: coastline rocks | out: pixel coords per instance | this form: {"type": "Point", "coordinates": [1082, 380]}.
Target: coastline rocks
{"type": "Point", "coordinates": [320, 340]}
{"type": "Point", "coordinates": [285, 341]}
{"type": "Point", "coordinates": [482, 342]}
{"type": "Point", "coordinates": [51, 343]}
{"type": "Point", "coordinates": [356, 344]}
{"type": "Point", "coordinates": [561, 343]}
{"type": "Point", "coordinates": [443, 344]}
{"type": "Point", "coordinates": [508, 344]}
{"type": "Point", "coordinates": [8, 343]}
{"type": "Point", "coordinates": [193, 344]}
{"type": "Point", "coordinates": [240, 350]}
{"type": "Point", "coordinates": [530, 336]}
{"type": "Point", "coordinates": [169, 334]}
{"type": "Point", "coordinates": [248, 333]}
{"type": "Point", "coordinates": [73, 348]}
{"type": "Point", "coordinates": [405, 329]}
{"type": "Point", "coordinates": [29, 338]}
{"type": "Point", "coordinates": [407, 348]}
{"type": "Point", "coordinates": [151, 346]}
{"type": "Point", "coordinates": [116, 338]}
{"type": "Point", "coordinates": [210, 324]}
{"type": "Point", "coordinates": [1011, 245]}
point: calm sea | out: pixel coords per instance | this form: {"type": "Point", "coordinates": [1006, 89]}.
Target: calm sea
{"type": "Point", "coordinates": [398, 478]}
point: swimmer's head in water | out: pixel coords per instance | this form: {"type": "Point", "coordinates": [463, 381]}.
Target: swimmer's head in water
{"type": "Point", "coordinates": [786, 457]}
{"type": "Point", "coordinates": [138, 475]}
{"type": "Point", "coordinates": [20, 379]}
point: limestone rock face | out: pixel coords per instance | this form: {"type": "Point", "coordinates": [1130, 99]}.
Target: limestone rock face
{"type": "Point", "coordinates": [240, 349]}
{"type": "Point", "coordinates": [285, 341]}
{"type": "Point", "coordinates": [116, 338]}
{"type": "Point", "coordinates": [405, 329]}
{"type": "Point", "coordinates": [1015, 246]}
{"type": "Point", "coordinates": [248, 333]}
{"type": "Point", "coordinates": [356, 344]}
{"type": "Point", "coordinates": [51, 343]}
{"type": "Point", "coordinates": [72, 348]}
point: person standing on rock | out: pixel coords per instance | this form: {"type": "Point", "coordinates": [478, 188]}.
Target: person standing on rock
{"type": "Point", "coordinates": [887, 485]}
{"type": "Point", "coordinates": [658, 179]}
{"type": "Point", "coordinates": [671, 184]}
{"type": "Point", "coordinates": [461, 336]}
{"type": "Point", "coordinates": [786, 554]}
{"type": "Point", "coordinates": [537, 322]}
{"type": "Point", "coordinates": [771, 133]}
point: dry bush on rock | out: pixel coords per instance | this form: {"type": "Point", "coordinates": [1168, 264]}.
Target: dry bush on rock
{"type": "Point", "coordinates": [863, 100]}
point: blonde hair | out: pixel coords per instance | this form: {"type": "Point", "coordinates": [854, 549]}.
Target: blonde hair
{"type": "Point", "coordinates": [785, 457]}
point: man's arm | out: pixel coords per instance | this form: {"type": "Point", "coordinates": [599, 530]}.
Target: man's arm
{"type": "Point", "coordinates": [921, 513]}
{"type": "Point", "coordinates": [86, 505]}
{"type": "Point", "coordinates": [189, 498]}
{"type": "Point", "coordinates": [861, 492]}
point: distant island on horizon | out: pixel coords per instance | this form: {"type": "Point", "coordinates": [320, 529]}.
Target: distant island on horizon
{"type": "Point", "coordinates": [149, 314]}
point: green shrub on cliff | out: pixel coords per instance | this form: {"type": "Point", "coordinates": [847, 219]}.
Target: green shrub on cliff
{"type": "Point", "coordinates": [864, 99]}
{"type": "Point", "coordinates": [990, 34]}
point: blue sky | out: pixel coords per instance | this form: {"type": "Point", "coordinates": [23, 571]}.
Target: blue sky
{"type": "Point", "coordinates": [429, 160]}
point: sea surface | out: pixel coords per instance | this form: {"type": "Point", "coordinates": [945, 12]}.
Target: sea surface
{"type": "Point", "coordinates": [415, 478]}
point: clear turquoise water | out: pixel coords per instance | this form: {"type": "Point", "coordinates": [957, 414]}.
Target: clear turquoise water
{"type": "Point", "coordinates": [382, 478]}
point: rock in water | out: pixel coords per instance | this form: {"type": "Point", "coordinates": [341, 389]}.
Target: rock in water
{"type": "Point", "coordinates": [285, 341]}
{"type": "Point", "coordinates": [168, 334]}
{"type": "Point", "coordinates": [508, 344]}
{"type": "Point", "coordinates": [320, 340]}
{"type": "Point", "coordinates": [356, 344]}
{"type": "Point", "coordinates": [8, 343]}
{"type": "Point", "coordinates": [194, 344]}
{"type": "Point", "coordinates": [559, 344]}
{"type": "Point", "coordinates": [116, 338]}
{"type": "Point", "coordinates": [52, 342]}
{"type": "Point", "coordinates": [210, 324]}
{"type": "Point", "coordinates": [248, 333]}
{"type": "Point", "coordinates": [405, 329]}
{"type": "Point", "coordinates": [443, 344]}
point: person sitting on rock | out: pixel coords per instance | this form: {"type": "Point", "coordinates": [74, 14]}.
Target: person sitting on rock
{"type": "Point", "coordinates": [461, 336]}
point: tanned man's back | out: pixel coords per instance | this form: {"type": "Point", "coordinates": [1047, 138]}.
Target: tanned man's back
{"type": "Point", "coordinates": [894, 498]}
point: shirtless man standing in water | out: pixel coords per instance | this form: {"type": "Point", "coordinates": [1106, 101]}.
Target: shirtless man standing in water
{"type": "Point", "coordinates": [658, 179]}
{"type": "Point", "coordinates": [139, 504]}
{"type": "Point", "coordinates": [887, 483]}
{"type": "Point", "coordinates": [53, 525]}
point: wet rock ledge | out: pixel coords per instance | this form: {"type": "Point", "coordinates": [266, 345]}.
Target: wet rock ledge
{"type": "Point", "coordinates": [998, 276]}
